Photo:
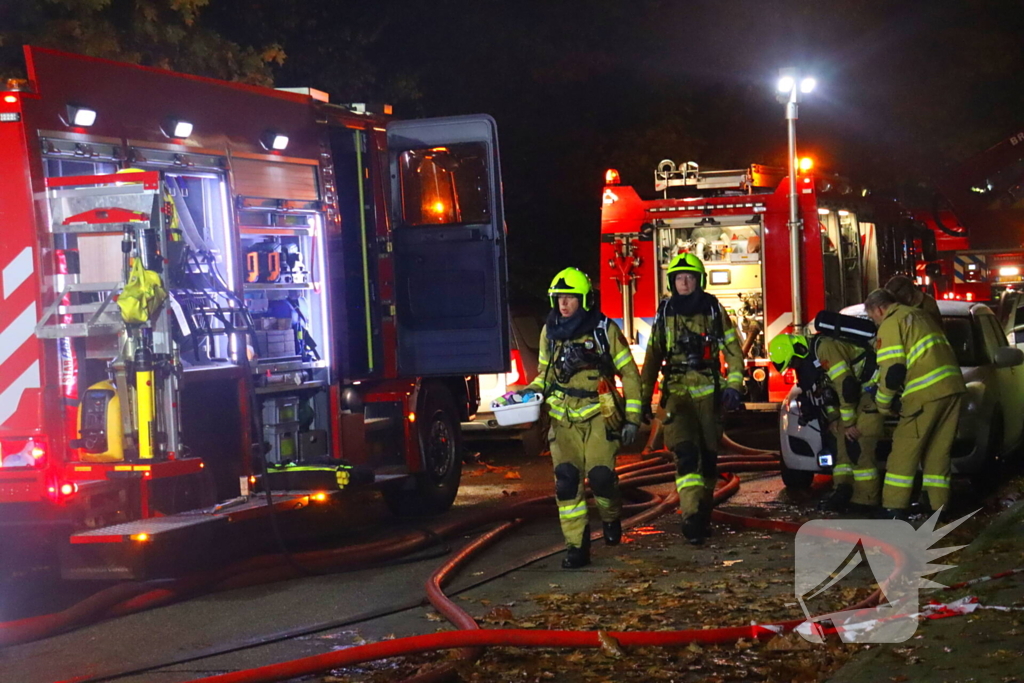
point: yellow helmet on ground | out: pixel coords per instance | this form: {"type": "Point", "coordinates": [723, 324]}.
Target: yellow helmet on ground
{"type": "Point", "coordinates": [572, 281]}
{"type": "Point", "coordinates": [686, 263]}
{"type": "Point", "coordinates": [786, 349]}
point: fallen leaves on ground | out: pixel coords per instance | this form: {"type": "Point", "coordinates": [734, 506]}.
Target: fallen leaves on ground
{"type": "Point", "coordinates": [609, 646]}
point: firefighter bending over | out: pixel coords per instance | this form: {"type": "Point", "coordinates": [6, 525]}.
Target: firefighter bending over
{"type": "Point", "coordinates": [836, 380]}
{"type": "Point", "coordinates": [581, 351]}
{"type": "Point", "coordinates": [691, 330]}
{"type": "Point", "coordinates": [906, 293]}
{"type": "Point", "coordinates": [916, 363]}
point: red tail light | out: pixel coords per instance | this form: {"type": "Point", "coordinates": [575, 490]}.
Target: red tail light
{"type": "Point", "coordinates": [59, 491]}
{"type": "Point", "coordinates": [517, 375]}
{"type": "Point", "coordinates": [789, 376]}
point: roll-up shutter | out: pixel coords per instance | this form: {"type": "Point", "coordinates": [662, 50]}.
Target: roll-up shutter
{"type": "Point", "coordinates": [276, 180]}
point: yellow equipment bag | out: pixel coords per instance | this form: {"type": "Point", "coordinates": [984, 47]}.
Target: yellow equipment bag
{"type": "Point", "coordinates": [142, 296]}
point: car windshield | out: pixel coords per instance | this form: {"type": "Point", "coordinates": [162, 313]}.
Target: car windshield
{"type": "Point", "coordinates": [962, 337]}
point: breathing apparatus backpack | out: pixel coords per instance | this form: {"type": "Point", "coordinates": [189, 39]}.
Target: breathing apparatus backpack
{"type": "Point", "coordinates": [576, 357]}
{"type": "Point", "coordinates": [857, 331]}
{"type": "Point", "coordinates": [817, 393]}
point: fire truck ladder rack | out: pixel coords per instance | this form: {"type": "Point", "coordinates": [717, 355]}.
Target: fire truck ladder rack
{"type": "Point", "coordinates": [103, 320]}
{"type": "Point", "coordinates": [689, 175]}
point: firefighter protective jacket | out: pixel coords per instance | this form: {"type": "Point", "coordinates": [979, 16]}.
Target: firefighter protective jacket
{"type": "Point", "coordinates": [845, 364]}
{"type": "Point", "coordinates": [670, 336]}
{"type": "Point", "coordinates": [930, 306]}
{"type": "Point", "coordinates": [576, 400]}
{"type": "Point", "coordinates": [915, 360]}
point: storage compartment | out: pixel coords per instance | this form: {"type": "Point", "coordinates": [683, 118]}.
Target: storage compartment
{"type": "Point", "coordinates": [312, 445]}
{"type": "Point", "coordinates": [284, 441]}
{"type": "Point", "coordinates": [280, 410]}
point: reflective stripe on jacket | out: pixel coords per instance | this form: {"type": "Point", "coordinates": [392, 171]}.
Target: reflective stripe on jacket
{"type": "Point", "coordinates": [912, 338]}
{"type": "Point", "coordinates": [841, 360]}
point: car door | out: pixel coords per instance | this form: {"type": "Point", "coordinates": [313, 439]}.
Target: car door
{"type": "Point", "coordinates": [448, 237]}
{"type": "Point", "coordinates": [1009, 381]}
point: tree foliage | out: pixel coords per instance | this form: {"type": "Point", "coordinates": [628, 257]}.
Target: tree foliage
{"type": "Point", "coordinates": [163, 33]}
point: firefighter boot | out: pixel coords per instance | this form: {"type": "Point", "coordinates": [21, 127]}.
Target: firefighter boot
{"type": "Point", "coordinates": [576, 557]}
{"type": "Point", "coordinates": [695, 529]}
{"type": "Point", "coordinates": [838, 500]}
{"type": "Point", "coordinates": [894, 513]}
{"type": "Point", "coordinates": [612, 532]}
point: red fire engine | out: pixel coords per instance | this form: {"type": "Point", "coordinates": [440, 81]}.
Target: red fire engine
{"type": "Point", "coordinates": [977, 239]}
{"type": "Point", "coordinates": [737, 222]}
{"type": "Point", "coordinates": [204, 281]}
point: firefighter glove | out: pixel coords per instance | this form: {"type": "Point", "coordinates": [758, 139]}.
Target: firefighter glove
{"type": "Point", "coordinates": [732, 399]}
{"type": "Point", "coordinates": [628, 433]}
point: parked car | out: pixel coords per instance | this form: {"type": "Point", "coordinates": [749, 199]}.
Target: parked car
{"type": "Point", "coordinates": [525, 336]}
{"type": "Point", "coordinates": [991, 416]}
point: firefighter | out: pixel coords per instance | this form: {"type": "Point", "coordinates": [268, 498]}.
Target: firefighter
{"type": "Point", "coordinates": [690, 331]}
{"type": "Point", "coordinates": [905, 292]}
{"type": "Point", "coordinates": [580, 353]}
{"type": "Point", "coordinates": [842, 373]}
{"type": "Point", "coordinates": [917, 364]}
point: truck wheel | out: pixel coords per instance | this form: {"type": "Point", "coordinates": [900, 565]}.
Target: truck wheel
{"type": "Point", "coordinates": [440, 439]}
{"type": "Point", "coordinates": [796, 480]}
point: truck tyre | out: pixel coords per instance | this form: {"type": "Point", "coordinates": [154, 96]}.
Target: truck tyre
{"type": "Point", "coordinates": [440, 439]}
{"type": "Point", "coordinates": [796, 480]}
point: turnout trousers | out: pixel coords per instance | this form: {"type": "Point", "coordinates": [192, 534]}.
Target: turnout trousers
{"type": "Point", "coordinates": [855, 460]}
{"type": "Point", "coordinates": [924, 438]}
{"type": "Point", "coordinates": [692, 430]}
{"type": "Point", "coordinates": [578, 450]}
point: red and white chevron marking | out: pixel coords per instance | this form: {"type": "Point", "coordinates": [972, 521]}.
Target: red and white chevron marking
{"type": "Point", "coordinates": [19, 361]}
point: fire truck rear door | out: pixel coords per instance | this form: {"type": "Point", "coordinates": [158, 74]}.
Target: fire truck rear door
{"type": "Point", "coordinates": [449, 242]}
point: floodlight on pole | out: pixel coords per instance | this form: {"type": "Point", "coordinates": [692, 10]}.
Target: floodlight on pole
{"type": "Point", "coordinates": [790, 85]}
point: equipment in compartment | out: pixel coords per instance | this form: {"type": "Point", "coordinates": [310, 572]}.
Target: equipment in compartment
{"type": "Point", "coordinates": [263, 261]}
{"type": "Point", "coordinates": [283, 440]}
{"type": "Point", "coordinates": [280, 409]}
{"type": "Point", "coordinates": [99, 425]}
{"type": "Point", "coordinates": [276, 260]}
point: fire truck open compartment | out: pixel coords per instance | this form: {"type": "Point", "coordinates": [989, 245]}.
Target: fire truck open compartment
{"type": "Point", "coordinates": [200, 309]}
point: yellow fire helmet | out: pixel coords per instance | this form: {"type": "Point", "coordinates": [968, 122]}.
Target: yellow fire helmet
{"type": "Point", "coordinates": [572, 281]}
{"type": "Point", "coordinates": [786, 349]}
{"type": "Point", "coordinates": [686, 263]}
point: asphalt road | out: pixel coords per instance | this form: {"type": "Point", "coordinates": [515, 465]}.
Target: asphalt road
{"type": "Point", "coordinates": [365, 605]}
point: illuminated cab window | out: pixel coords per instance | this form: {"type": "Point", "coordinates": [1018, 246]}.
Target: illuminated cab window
{"type": "Point", "coordinates": [445, 185]}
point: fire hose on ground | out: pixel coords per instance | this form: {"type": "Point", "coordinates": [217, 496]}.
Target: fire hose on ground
{"type": "Point", "coordinates": [655, 470]}
{"type": "Point", "coordinates": [124, 599]}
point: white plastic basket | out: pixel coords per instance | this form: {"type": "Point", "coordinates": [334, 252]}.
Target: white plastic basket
{"type": "Point", "coordinates": [518, 413]}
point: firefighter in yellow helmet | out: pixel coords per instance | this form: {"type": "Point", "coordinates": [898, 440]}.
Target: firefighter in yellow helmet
{"type": "Point", "coordinates": [917, 364]}
{"type": "Point", "coordinates": [690, 331]}
{"type": "Point", "coordinates": [581, 351]}
{"type": "Point", "coordinates": [836, 379]}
